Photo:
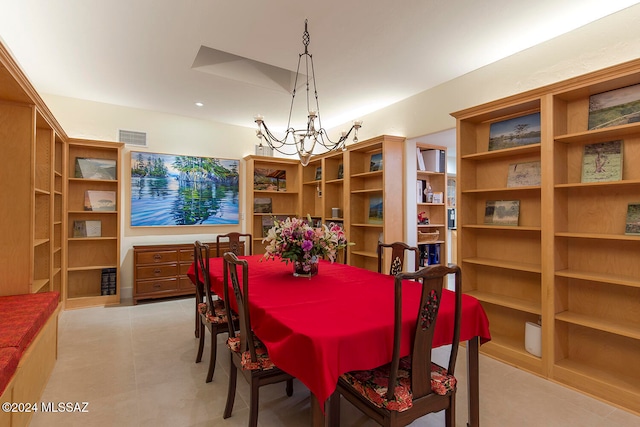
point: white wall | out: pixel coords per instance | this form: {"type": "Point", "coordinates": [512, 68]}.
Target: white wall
{"type": "Point", "coordinates": [606, 42]}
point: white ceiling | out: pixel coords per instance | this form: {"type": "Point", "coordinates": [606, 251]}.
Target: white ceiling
{"type": "Point", "coordinates": [368, 53]}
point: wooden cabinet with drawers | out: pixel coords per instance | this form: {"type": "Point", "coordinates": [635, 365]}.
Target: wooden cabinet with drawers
{"type": "Point", "coordinates": [160, 271]}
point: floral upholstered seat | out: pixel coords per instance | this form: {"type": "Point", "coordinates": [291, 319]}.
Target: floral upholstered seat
{"type": "Point", "coordinates": [220, 312]}
{"type": "Point", "coordinates": [372, 384]}
{"type": "Point", "coordinates": [263, 361]}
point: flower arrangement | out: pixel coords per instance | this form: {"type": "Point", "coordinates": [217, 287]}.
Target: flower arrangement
{"type": "Point", "coordinates": [295, 240]}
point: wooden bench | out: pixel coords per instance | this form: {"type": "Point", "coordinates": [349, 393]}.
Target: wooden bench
{"type": "Point", "coordinates": [28, 350]}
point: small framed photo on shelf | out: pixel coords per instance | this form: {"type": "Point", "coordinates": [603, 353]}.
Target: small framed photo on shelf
{"type": "Point", "coordinates": [524, 174]}
{"type": "Point", "coordinates": [615, 107]}
{"type": "Point", "coordinates": [318, 173]}
{"type": "Point", "coordinates": [104, 201]}
{"type": "Point", "coordinates": [89, 168]}
{"type": "Point", "coordinates": [375, 210]}
{"type": "Point", "coordinates": [524, 130]}
{"type": "Point", "coordinates": [269, 179]}
{"type": "Point", "coordinates": [633, 219]}
{"type": "Point", "coordinates": [376, 162]}
{"type": "Point", "coordinates": [602, 162]}
{"type": "Point", "coordinates": [262, 205]}
{"type": "Point", "coordinates": [340, 171]}
{"type": "Point", "coordinates": [502, 212]}
{"type": "Point", "coordinates": [438, 197]}
{"type": "Point", "coordinates": [87, 228]}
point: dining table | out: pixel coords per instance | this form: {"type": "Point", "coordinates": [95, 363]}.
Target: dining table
{"type": "Point", "coordinates": [340, 320]}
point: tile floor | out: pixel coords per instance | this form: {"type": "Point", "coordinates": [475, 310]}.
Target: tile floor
{"type": "Point", "coordinates": [135, 366]}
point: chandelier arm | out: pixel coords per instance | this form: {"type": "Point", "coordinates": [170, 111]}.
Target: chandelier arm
{"type": "Point", "coordinates": [293, 93]}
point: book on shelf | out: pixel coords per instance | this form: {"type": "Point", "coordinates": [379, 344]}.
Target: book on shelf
{"type": "Point", "coordinates": [420, 159]}
{"type": "Point", "coordinates": [633, 219]}
{"type": "Point", "coordinates": [524, 174]}
{"type": "Point", "coordinates": [502, 212]}
{"type": "Point", "coordinates": [96, 200]}
{"type": "Point", "coordinates": [87, 228]}
{"type": "Point", "coordinates": [112, 281]}
{"type": "Point", "coordinates": [602, 162]}
{"type": "Point", "coordinates": [434, 160]}
{"type": "Point", "coordinates": [419, 191]}
{"type": "Point", "coordinates": [262, 205]}
{"type": "Point", "coordinates": [104, 282]}
{"type": "Point", "coordinates": [429, 254]}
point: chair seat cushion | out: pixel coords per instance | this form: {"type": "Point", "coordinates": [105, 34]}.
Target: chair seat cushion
{"type": "Point", "coordinates": [263, 361]}
{"type": "Point", "coordinates": [219, 314]}
{"type": "Point", "coordinates": [373, 384]}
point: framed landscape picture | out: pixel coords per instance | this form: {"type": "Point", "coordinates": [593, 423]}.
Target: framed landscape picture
{"type": "Point", "coordinates": [375, 210]}
{"type": "Point", "coordinates": [602, 162]}
{"type": "Point", "coordinates": [615, 107]}
{"type": "Point", "coordinates": [633, 219]}
{"type": "Point", "coordinates": [524, 174]}
{"type": "Point", "coordinates": [89, 168]}
{"type": "Point", "coordinates": [173, 190]}
{"type": "Point", "coordinates": [262, 205]}
{"type": "Point", "coordinates": [376, 162]}
{"type": "Point", "coordinates": [100, 201]}
{"type": "Point", "coordinates": [269, 179]}
{"type": "Point", "coordinates": [502, 212]}
{"type": "Point", "coordinates": [524, 130]}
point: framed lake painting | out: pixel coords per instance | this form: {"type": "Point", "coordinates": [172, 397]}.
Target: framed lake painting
{"type": "Point", "coordinates": [523, 130]}
{"type": "Point", "coordinates": [173, 190]}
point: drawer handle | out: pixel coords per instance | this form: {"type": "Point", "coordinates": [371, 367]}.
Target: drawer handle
{"type": "Point", "coordinates": [157, 271]}
{"type": "Point", "coordinates": [157, 257]}
{"type": "Point", "coordinates": [157, 285]}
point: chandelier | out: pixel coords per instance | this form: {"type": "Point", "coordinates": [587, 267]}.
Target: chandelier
{"type": "Point", "coordinates": [305, 139]}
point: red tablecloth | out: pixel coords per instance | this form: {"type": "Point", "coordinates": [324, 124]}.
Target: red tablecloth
{"type": "Point", "coordinates": [340, 320]}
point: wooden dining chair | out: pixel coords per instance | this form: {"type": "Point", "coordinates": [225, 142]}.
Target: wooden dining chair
{"type": "Point", "coordinates": [248, 353]}
{"type": "Point", "coordinates": [411, 386]}
{"type": "Point", "coordinates": [236, 242]}
{"type": "Point", "coordinates": [212, 312]}
{"type": "Point", "coordinates": [398, 250]}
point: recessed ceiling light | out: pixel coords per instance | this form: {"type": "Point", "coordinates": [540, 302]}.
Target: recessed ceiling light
{"type": "Point", "coordinates": [199, 104]}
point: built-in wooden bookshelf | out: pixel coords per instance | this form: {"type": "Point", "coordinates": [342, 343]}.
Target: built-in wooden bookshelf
{"type": "Point", "coordinates": [90, 258]}
{"type": "Point", "coordinates": [432, 235]}
{"type": "Point", "coordinates": [31, 200]}
{"type": "Point", "coordinates": [376, 198]}
{"type": "Point", "coordinates": [282, 190]}
{"type": "Point", "coordinates": [339, 187]}
{"type": "Point", "coordinates": [568, 264]}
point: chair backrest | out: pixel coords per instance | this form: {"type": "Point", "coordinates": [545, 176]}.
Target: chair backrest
{"type": "Point", "coordinates": [201, 255]}
{"type": "Point", "coordinates": [432, 279]}
{"type": "Point", "coordinates": [398, 250]}
{"type": "Point", "coordinates": [235, 243]}
{"type": "Point", "coordinates": [241, 294]}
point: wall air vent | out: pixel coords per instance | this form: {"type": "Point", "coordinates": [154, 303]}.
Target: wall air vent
{"type": "Point", "coordinates": [130, 137]}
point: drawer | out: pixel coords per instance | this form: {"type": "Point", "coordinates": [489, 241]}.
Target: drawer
{"type": "Point", "coordinates": [186, 284]}
{"type": "Point", "coordinates": [186, 255]}
{"type": "Point", "coordinates": [151, 286]}
{"type": "Point", "coordinates": [184, 268]}
{"type": "Point", "coordinates": [156, 257]}
{"type": "Point", "coordinates": [156, 271]}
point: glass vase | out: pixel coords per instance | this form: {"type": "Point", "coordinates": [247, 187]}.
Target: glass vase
{"type": "Point", "coordinates": [299, 269]}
